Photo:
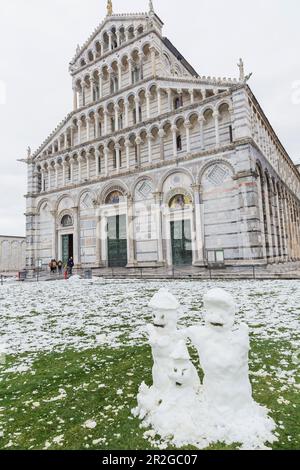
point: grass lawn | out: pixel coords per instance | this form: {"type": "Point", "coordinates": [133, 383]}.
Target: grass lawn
{"type": "Point", "coordinates": [52, 405]}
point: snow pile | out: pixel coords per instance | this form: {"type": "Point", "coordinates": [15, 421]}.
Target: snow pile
{"type": "Point", "coordinates": [181, 411]}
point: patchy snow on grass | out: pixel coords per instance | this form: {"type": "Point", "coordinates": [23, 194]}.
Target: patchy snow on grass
{"type": "Point", "coordinates": [81, 314]}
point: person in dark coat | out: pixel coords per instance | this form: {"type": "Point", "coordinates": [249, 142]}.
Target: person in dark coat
{"type": "Point", "coordinates": [70, 266]}
{"type": "Point", "coordinates": [60, 266]}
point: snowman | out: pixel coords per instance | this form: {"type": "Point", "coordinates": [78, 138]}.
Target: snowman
{"type": "Point", "coordinates": [176, 418]}
{"type": "Point", "coordinates": [163, 336]}
{"type": "Point", "coordinates": [228, 407]}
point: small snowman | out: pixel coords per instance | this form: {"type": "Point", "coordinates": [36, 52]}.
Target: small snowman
{"type": "Point", "coordinates": [176, 418]}
{"type": "Point", "coordinates": [223, 351]}
{"type": "Point", "coordinates": [163, 337]}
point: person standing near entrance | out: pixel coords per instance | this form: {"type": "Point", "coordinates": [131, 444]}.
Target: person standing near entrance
{"type": "Point", "coordinates": [70, 266]}
{"type": "Point", "coordinates": [60, 266]}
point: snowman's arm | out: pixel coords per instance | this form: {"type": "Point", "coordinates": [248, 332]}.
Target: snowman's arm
{"type": "Point", "coordinates": [242, 335]}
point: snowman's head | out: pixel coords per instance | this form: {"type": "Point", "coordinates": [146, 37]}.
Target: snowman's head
{"type": "Point", "coordinates": [181, 373]}
{"type": "Point", "coordinates": [165, 309]}
{"type": "Point", "coordinates": [181, 369]}
{"type": "Point", "coordinates": [219, 309]}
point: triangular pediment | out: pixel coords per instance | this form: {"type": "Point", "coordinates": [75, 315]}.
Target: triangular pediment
{"type": "Point", "coordinates": [122, 25]}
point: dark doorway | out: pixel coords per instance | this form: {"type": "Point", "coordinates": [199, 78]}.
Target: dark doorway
{"type": "Point", "coordinates": [117, 241]}
{"type": "Point", "coordinates": [67, 248]}
{"type": "Point", "coordinates": [181, 242]}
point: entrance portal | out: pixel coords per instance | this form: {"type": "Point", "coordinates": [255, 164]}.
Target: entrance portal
{"type": "Point", "coordinates": [117, 241]}
{"type": "Point", "coordinates": [181, 242]}
{"type": "Point", "coordinates": [67, 248]}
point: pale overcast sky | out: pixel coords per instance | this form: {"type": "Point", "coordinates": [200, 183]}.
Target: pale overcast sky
{"type": "Point", "coordinates": [39, 38]}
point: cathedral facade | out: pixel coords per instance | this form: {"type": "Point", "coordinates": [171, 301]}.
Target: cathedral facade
{"type": "Point", "coordinates": [158, 166]}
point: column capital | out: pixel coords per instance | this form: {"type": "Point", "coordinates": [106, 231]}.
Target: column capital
{"type": "Point", "coordinates": [174, 128]}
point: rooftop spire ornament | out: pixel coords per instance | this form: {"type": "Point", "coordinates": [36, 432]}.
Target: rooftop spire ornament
{"type": "Point", "coordinates": [242, 70]}
{"type": "Point", "coordinates": [109, 8]}
{"type": "Point", "coordinates": [151, 8]}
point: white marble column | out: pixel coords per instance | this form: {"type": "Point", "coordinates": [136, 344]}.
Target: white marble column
{"type": "Point", "coordinates": [75, 98]}
{"type": "Point", "coordinates": [120, 75]}
{"type": "Point", "coordinates": [109, 40]}
{"type": "Point", "coordinates": [174, 135]}
{"type": "Point", "coordinates": [169, 92]}
{"type": "Point", "coordinates": [64, 165]}
{"type": "Point", "coordinates": [57, 167]}
{"type": "Point", "coordinates": [105, 122]}
{"type": "Point", "coordinates": [130, 233]}
{"type": "Point", "coordinates": [153, 60]}
{"type": "Point", "coordinates": [268, 217]}
{"type": "Point", "coordinates": [191, 92]}
{"type": "Point", "coordinates": [54, 236]}
{"type": "Point", "coordinates": [117, 112]}
{"type": "Point", "coordinates": [117, 148]}
{"type": "Point", "coordinates": [127, 146]}
{"type": "Point", "coordinates": [101, 85]}
{"type": "Point", "coordinates": [88, 128]}
{"type": "Point", "coordinates": [87, 158]}
{"type": "Point", "coordinates": [77, 257]}
{"type": "Point", "coordinates": [138, 142]}
{"type": "Point", "coordinates": [158, 217]}
{"type": "Point", "coordinates": [198, 225]}
{"type": "Point", "coordinates": [97, 122]}
{"type": "Point", "coordinates": [79, 124]}
{"type": "Point", "coordinates": [126, 106]}
{"type": "Point", "coordinates": [217, 132]}
{"type": "Point", "coordinates": [97, 162]}
{"type": "Point", "coordinates": [80, 159]}
{"type": "Point", "coordinates": [148, 94]}
{"type": "Point", "coordinates": [188, 126]}
{"type": "Point", "coordinates": [201, 125]}
{"type": "Point", "coordinates": [159, 101]}
{"type": "Point", "coordinates": [161, 134]}
{"type": "Point", "coordinates": [106, 154]}
{"type": "Point", "coordinates": [150, 140]}
{"type": "Point", "coordinates": [72, 170]}
{"type": "Point", "coordinates": [49, 178]}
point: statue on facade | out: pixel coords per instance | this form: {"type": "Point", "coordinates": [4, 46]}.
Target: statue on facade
{"type": "Point", "coordinates": [243, 78]}
{"type": "Point", "coordinates": [29, 152]}
{"type": "Point", "coordinates": [109, 8]}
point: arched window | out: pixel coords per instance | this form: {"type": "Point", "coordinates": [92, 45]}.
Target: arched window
{"type": "Point", "coordinates": [113, 124]}
{"type": "Point", "coordinates": [115, 159]}
{"type": "Point", "coordinates": [39, 182]}
{"type": "Point", "coordinates": [66, 221]}
{"type": "Point", "coordinates": [180, 201]}
{"type": "Point", "coordinates": [121, 121]}
{"type": "Point", "coordinates": [96, 92]}
{"type": "Point", "coordinates": [179, 143]}
{"type": "Point", "coordinates": [178, 102]}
